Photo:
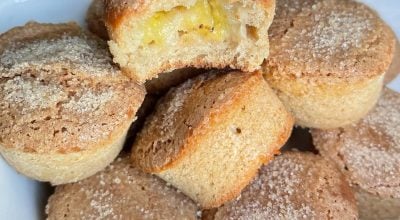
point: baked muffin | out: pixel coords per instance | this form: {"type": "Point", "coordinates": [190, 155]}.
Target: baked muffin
{"type": "Point", "coordinates": [64, 108]}
{"type": "Point", "coordinates": [121, 191]}
{"type": "Point", "coordinates": [328, 59]}
{"type": "Point", "coordinates": [155, 86]}
{"type": "Point", "coordinates": [209, 136]}
{"type": "Point", "coordinates": [294, 186]}
{"type": "Point", "coordinates": [152, 37]}
{"type": "Point", "coordinates": [368, 153]}
{"type": "Point", "coordinates": [95, 19]}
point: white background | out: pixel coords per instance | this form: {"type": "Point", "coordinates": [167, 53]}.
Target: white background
{"type": "Point", "coordinates": [21, 198]}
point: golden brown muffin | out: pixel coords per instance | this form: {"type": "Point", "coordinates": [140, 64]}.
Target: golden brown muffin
{"type": "Point", "coordinates": [121, 191]}
{"type": "Point", "coordinates": [152, 37]}
{"type": "Point", "coordinates": [327, 60]}
{"type": "Point", "coordinates": [209, 136]}
{"type": "Point", "coordinates": [95, 19]}
{"type": "Point", "coordinates": [369, 154]}
{"type": "Point", "coordinates": [64, 108]}
{"type": "Point", "coordinates": [294, 186]}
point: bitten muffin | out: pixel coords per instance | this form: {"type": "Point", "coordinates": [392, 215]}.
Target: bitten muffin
{"type": "Point", "coordinates": [64, 108]}
{"type": "Point", "coordinates": [209, 136]}
{"type": "Point", "coordinates": [156, 86]}
{"type": "Point", "coordinates": [368, 153]}
{"type": "Point", "coordinates": [328, 59]}
{"type": "Point", "coordinates": [95, 19]}
{"type": "Point", "coordinates": [294, 186]}
{"type": "Point", "coordinates": [152, 37]}
{"type": "Point", "coordinates": [121, 191]}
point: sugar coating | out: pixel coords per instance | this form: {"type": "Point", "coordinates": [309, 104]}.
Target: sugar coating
{"type": "Point", "coordinates": [369, 151]}
{"type": "Point", "coordinates": [121, 191]}
{"type": "Point", "coordinates": [339, 30]}
{"type": "Point", "coordinates": [290, 187]}
{"type": "Point", "coordinates": [60, 91]}
{"type": "Point", "coordinates": [181, 94]}
{"type": "Point", "coordinates": [89, 101]}
{"type": "Point", "coordinates": [33, 94]}
{"type": "Point", "coordinates": [84, 54]}
{"type": "Point", "coordinates": [330, 38]}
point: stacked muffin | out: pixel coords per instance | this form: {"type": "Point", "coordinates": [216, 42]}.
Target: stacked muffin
{"type": "Point", "coordinates": [206, 143]}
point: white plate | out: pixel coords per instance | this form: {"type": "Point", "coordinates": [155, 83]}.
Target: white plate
{"type": "Point", "coordinates": [21, 198]}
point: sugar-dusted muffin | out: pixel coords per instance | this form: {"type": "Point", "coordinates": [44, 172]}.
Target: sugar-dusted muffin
{"type": "Point", "coordinates": [152, 37]}
{"type": "Point", "coordinates": [209, 136]}
{"type": "Point", "coordinates": [368, 153]}
{"type": "Point", "coordinates": [64, 108]}
{"type": "Point", "coordinates": [121, 191]}
{"type": "Point", "coordinates": [95, 19]}
{"type": "Point", "coordinates": [294, 186]}
{"type": "Point", "coordinates": [328, 60]}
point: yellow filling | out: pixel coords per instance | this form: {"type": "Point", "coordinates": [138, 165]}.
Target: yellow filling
{"type": "Point", "coordinates": [206, 18]}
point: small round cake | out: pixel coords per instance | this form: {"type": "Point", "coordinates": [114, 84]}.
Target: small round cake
{"type": "Point", "coordinates": [328, 60]}
{"type": "Point", "coordinates": [65, 109]}
{"type": "Point", "coordinates": [121, 191]}
{"type": "Point", "coordinates": [369, 154]}
{"type": "Point", "coordinates": [209, 136]}
{"type": "Point", "coordinates": [294, 186]}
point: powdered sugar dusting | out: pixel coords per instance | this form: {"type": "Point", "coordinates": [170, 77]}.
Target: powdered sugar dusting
{"type": "Point", "coordinates": [32, 94]}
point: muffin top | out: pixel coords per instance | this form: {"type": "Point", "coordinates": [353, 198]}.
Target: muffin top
{"type": "Point", "coordinates": [121, 191]}
{"type": "Point", "coordinates": [328, 38]}
{"type": "Point", "coordinates": [368, 152]}
{"type": "Point", "coordinates": [59, 91]}
{"type": "Point", "coordinates": [294, 186]}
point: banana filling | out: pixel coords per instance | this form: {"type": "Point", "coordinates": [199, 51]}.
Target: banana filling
{"type": "Point", "coordinates": [206, 19]}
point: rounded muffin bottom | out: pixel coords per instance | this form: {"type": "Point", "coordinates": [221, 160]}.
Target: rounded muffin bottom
{"type": "Point", "coordinates": [327, 104]}
{"type": "Point", "coordinates": [61, 168]}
